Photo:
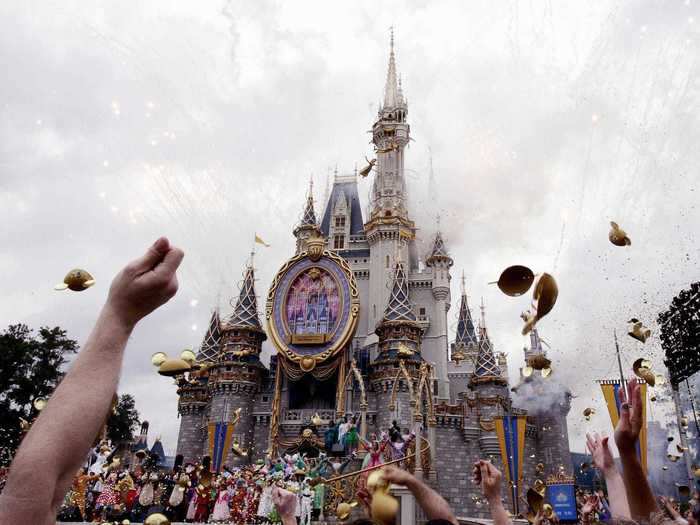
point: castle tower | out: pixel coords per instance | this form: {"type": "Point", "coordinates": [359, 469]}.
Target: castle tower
{"type": "Point", "coordinates": [236, 376]}
{"type": "Point", "coordinates": [550, 419]}
{"type": "Point", "coordinates": [491, 388]}
{"type": "Point", "coordinates": [399, 345]}
{"type": "Point", "coordinates": [194, 396]}
{"type": "Point", "coordinates": [141, 445]}
{"type": "Point", "coordinates": [440, 262]}
{"type": "Point", "coordinates": [308, 226]}
{"type": "Point", "coordinates": [464, 350]}
{"type": "Point", "coordinates": [389, 229]}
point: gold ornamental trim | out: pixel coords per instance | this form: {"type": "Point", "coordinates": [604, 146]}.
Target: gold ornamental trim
{"type": "Point", "coordinates": [307, 363]}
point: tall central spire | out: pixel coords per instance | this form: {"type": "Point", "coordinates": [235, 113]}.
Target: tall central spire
{"type": "Point", "coordinates": [391, 89]}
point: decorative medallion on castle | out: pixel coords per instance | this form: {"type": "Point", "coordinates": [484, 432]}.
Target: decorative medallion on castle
{"type": "Point", "coordinates": [312, 308]}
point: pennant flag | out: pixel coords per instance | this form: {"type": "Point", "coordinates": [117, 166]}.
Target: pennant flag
{"type": "Point", "coordinates": [220, 435]}
{"type": "Point", "coordinates": [259, 240]}
{"type": "Point", "coordinates": [511, 440]}
{"type": "Point", "coordinates": [611, 393]}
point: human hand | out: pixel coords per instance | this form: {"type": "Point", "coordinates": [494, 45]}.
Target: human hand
{"type": "Point", "coordinates": [600, 451]}
{"type": "Point", "coordinates": [630, 423]}
{"type": "Point", "coordinates": [145, 283]}
{"type": "Point", "coordinates": [539, 518]}
{"type": "Point", "coordinates": [590, 504]}
{"type": "Point", "coordinates": [285, 503]}
{"type": "Point", "coordinates": [397, 476]}
{"type": "Point", "coordinates": [489, 477]}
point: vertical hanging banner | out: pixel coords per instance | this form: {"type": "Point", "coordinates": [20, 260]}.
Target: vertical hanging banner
{"type": "Point", "coordinates": [220, 435]}
{"type": "Point", "coordinates": [613, 400]}
{"type": "Point", "coordinates": [511, 440]}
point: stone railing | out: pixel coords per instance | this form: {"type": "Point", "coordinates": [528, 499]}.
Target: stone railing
{"type": "Point", "coordinates": [304, 415]}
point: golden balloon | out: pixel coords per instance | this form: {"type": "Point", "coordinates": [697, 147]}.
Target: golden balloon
{"type": "Point", "coordinates": [376, 481]}
{"type": "Point", "coordinates": [76, 280]}
{"type": "Point", "coordinates": [544, 297]}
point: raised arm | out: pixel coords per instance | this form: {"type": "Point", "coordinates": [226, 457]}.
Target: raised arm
{"type": "Point", "coordinates": [489, 478]}
{"type": "Point", "coordinates": [59, 440]}
{"type": "Point", "coordinates": [603, 460]}
{"type": "Point", "coordinates": [639, 495]}
{"type": "Point", "coordinates": [434, 505]}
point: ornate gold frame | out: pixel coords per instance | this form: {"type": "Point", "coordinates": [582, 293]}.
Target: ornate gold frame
{"type": "Point", "coordinates": [308, 362]}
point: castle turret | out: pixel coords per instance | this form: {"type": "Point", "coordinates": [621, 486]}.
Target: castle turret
{"type": "Point", "coordinates": [549, 414]}
{"type": "Point", "coordinates": [194, 395]}
{"type": "Point", "coordinates": [464, 349]}
{"type": "Point", "coordinates": [389, 229]}
{"type": "Point", "coordinates": [490, 387]}
{"type": "Point", "coordinates": [440, 263]}
{"type": "Point", "coordinates": [235, 377]}
{"type": "Point", "coordinates": [399, 349]}
{"type": "Point", "coordinates": [308, 225]}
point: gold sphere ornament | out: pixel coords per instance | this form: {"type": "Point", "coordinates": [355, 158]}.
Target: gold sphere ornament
{"type": "Point", "coordinates": [76, 280]}
{"type": "Point", "coordinates": [618, 236]}
{"type": "Point", "coordinates": [156, 519]}
{"type": "Point", "coordinates": [527, 371]}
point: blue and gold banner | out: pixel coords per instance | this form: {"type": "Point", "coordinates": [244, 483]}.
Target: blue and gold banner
{"type": "Point", "coordinates": [220, 435]}
{"type": "Point", "coordinates": [611, 393]}
{"type": "Point", "coordinates": [511, 440]}
{"type": "Point", "coordinates": [562, 498]}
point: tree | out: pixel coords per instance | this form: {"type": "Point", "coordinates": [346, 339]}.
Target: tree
{"type": "Point", "coordinates": [680, 334]}
{"type": "Point", "coordinates": [123, 420]}
{"type": "Point", "coordinates": [31, 367]}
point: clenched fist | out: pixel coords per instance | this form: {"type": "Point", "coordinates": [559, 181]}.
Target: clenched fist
{"type": "Point", "coordinates": [145, 283]}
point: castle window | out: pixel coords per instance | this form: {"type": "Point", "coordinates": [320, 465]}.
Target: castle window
{"type": "Point", "coordinates": [421, 311]}
{"type": "Point", "coordinates": [264, 399]}
{"type": "Point", "coordinates": [340, 222]}
{"type": "Point", "coordinates": [387, 261]}
{"type": "Point", "coordinates": [374, 311]}
{"type": "Point", "coordinates": [339, 242]}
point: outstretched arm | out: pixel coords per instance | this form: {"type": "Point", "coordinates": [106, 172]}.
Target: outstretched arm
{"type": "Point", "coordinates": [58, 442]}
{"type": "Point", "coordinates": [603, 460]}
{"type": "Point", "coordinates": [434, 505]}
{"type": "Point", "coordinates": [489, 477]}
{"type": "Point", "coordinates": [639, 495]}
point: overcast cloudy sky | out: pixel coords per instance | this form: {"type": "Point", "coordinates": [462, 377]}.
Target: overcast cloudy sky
{"type": "Point", "coordinates": [203, 121]}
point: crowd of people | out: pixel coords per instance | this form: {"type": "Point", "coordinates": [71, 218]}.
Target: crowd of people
{"type": "Point", "coordinates": [42, 478]}
{"type": "Point", "coordinates": [106, 490]}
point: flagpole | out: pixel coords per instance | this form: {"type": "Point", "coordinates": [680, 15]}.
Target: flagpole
{"type": "Point", "coordinates": [619, 364]}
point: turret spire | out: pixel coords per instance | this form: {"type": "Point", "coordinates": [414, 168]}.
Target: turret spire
{"type": "Point", "coordinates": [308, 217]}
{"type": "Point", "coordinates": [466, 334]}
{"type": "Point", "coordinates": [391, 89]}
{"type": "Point", "coordinates": [212, 339]}
{"type": "Point", "coordinates": [245, 311]}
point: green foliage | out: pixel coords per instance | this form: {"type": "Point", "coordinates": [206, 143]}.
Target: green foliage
{"type": "Point", "coordinates": [124, 420]}
{"type": "Point", "coordinates": [31, 367]}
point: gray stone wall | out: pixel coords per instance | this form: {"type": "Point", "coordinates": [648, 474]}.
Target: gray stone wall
{"type": "Point", "coordinates": [189, 440]}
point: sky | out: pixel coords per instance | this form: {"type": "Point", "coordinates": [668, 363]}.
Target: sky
{"type": "Point", "coordinates": [204, 121]}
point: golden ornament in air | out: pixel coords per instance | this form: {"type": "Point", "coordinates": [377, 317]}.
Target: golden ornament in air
{"type": "Point", "coordinates": [618, 236]}
{"type": "Point", "coordinates": [638, 330]}
{"type": "Point", "coordinates": [76, 280]}
{"type": "Point", "coordinates": [515, 280]}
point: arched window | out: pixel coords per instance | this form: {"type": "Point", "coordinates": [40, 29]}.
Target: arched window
{"type": "Point", "coordinates": [387, 261]}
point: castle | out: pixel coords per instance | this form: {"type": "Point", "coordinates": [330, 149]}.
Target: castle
{"type": "Point", "coordinates": [400, 332]}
